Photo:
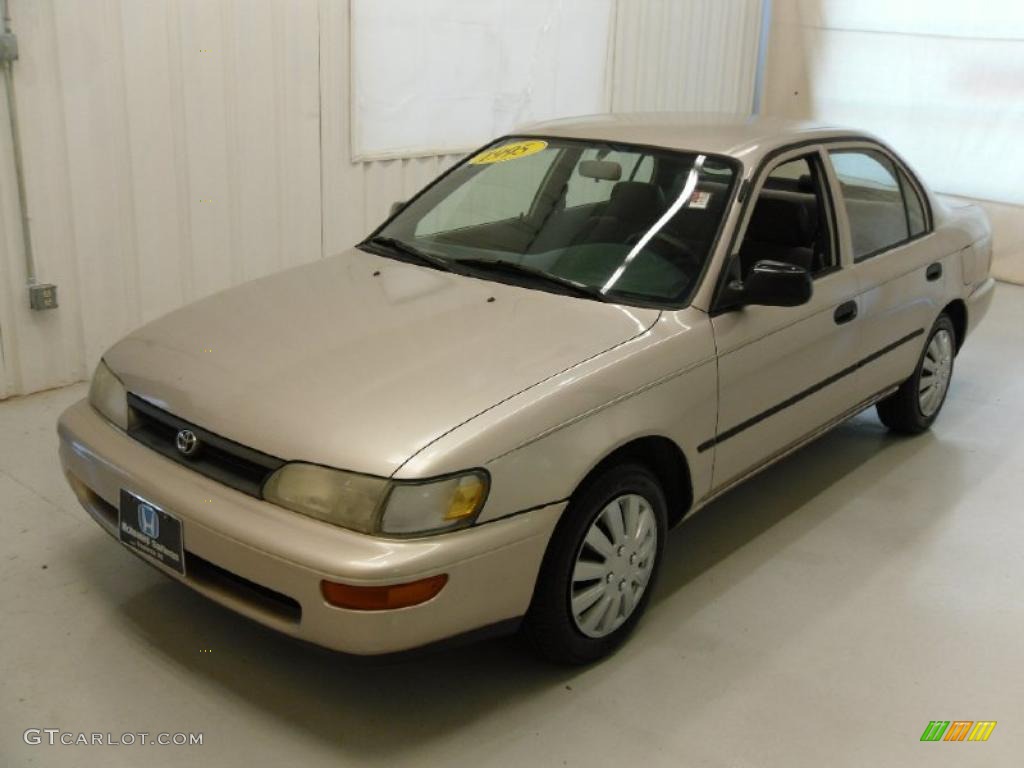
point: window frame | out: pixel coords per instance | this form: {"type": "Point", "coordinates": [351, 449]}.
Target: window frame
{"type": "Point", "coordinates": [812, 152]}
{"type": "Point", "coordinates": [819, 169]}
{"type": "Point", "coordinates": [901, 171]}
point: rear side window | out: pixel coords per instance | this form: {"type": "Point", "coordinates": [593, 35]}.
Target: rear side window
{"type": "Point", "coordinates": [873, 200]}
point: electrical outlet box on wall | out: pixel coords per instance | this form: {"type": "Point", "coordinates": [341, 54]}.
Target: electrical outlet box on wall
{"type": "Point", "coordinates": [8, 47]}
{"type": "Point", "coordinates": [42, 296]}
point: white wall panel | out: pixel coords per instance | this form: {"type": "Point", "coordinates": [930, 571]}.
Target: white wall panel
{"type": "Point", "coordinates": [40, 350]}
{"type": "Point", "coordinates": [171, 149]}
{"type": "Point", "coordinates": [695, 55]}
{"type": "Point", "coordinates": [177, 147]}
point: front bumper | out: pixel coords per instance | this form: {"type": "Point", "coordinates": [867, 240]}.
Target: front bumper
{"type": "Point", "coordinates": [267, 562]}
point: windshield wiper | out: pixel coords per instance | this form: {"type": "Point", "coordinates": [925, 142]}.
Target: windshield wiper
{"type": "Point", "coordinates": [423, 257]}
{"type": "Point", "coordinates": [513, 268]}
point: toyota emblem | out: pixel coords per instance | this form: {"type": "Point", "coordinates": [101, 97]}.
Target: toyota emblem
{"type": "Point", "coordinates": [186, 442]}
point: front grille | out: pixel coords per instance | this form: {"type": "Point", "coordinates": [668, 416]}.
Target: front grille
{"type": "Point", "coordinates": [218, 458]}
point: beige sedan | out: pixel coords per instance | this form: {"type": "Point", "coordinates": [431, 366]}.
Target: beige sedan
{"type": "Point", "coordinates": [488, 414]}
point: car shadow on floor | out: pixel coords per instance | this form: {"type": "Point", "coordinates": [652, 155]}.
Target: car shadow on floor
{"type": "Point", "coordinates": [359, 707]}
{"type": "Point", "coordinates": [786, 491]}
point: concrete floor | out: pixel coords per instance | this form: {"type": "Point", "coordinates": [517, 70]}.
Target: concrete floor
{"type": "Point", "coordinates": [820, 615]}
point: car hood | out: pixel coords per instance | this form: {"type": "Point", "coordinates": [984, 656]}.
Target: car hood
{"type": "Point", "coordinates": [359, 361]}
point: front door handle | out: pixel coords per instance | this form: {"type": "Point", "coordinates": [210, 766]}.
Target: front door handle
{"type": "Point", "coordinates": [845, 312]}
{"type": "Point", "coordinates": [934, 271]}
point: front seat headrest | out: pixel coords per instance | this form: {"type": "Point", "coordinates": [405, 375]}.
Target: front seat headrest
{"type": "Point", "coordinates": [779, 221]}
{"type": "Point", "coordinates": [635, 200]}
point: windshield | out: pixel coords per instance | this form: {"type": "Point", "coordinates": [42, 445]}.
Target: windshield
{"type": "Point", "coordinates": [619, 222]}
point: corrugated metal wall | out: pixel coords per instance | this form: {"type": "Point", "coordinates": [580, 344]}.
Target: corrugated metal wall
{"type": "Point", "coordinates": [691, 55]}
{"type": "Point", "coordinates": [171, 149]}
{"type": "Point", "coordinates": [177, 147]}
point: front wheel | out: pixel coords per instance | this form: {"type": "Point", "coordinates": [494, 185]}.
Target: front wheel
{"type": "Point", "coordinates": [600, 566]}
{"type": "Point", "coordinates": [916, 404]}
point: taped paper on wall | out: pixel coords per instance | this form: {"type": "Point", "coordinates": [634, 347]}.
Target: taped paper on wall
{"type": "Point", "coordinates": [446, 76]}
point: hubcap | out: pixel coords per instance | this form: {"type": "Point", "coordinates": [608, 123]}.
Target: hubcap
{"type": "Point", "coordinates": [936, 369]}
{"type": "Point", "coordinates": [613, 565]}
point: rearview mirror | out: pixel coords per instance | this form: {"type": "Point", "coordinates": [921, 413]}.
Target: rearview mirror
{"type": "Point", "coordinates": [600, 170]}
{"type": "Point", "coordinates": [773, 284]}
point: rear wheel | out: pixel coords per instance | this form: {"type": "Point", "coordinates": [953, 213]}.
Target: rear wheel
{"type": "Point", "coordinates": [916, 404]}
{"type": "Point", "coordinates": [600, 566]}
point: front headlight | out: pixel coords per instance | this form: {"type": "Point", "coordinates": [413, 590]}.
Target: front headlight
{"type": "Point", "coordinates": [108, 396]}
{"type": "Point", "coordinates": [341, 498]}
{"type": "Point", "coordinates": [375, 505]}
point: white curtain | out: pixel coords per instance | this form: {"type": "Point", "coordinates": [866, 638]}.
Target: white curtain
{"type": "Point", "coordinates": [942, 80]}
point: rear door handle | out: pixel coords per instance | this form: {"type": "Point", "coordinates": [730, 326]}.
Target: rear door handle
{"type": "Point", "coordinates": [934, 271]}
{"type": "Point", "coordinates": [845, 312]}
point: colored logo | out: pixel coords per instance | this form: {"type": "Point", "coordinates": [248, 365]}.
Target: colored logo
{"type": "Point", "coordinates": [186, 442]}
{"type": "Point", "coordinates": [149, 521]}
{"type": "Point", "coordinates": [958, 730]}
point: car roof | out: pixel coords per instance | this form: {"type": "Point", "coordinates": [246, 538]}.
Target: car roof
{"type": "Point", "coordinates": [747, 138]}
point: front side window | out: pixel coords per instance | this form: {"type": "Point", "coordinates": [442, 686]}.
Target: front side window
{"type": "Point", "coordinates": [790, 220]}
{"type": "Point", "coordinates": [626, 224]}
{"type": "Point", "coordinates": [873, 200]}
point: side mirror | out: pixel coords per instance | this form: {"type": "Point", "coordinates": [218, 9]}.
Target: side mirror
{"type": "Point", "coordinates": [773, 284]}
{"type": "Point", "coordinates": [396, 207]}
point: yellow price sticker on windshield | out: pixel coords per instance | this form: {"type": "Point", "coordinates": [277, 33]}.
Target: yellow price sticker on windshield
{"type": "Point", "coordinates": [505, 152]}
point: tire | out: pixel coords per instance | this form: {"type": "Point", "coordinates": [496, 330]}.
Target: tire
{"type": "Point", "coordinates": [622, 579]}
{"type": "Point", "coordinates": [909, 410]}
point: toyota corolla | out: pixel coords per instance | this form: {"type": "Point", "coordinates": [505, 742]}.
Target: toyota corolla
{"type": "Point", "coordinates": [488, 413]}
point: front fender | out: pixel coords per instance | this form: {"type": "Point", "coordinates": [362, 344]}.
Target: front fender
{"type": "Point", "coordinates": [540, 444]}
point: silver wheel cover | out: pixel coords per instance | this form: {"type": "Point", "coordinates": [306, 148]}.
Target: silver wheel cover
{"type": "Point", "coordinates": [936, 369]}
{"type": "Point", "coordinates": [613, 565]}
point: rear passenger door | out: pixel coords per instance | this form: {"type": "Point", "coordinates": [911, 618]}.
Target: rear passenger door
{"type": "Point", "coordinates": [782, 371]}
{"type": "Point", "coordinates": [885, 232]}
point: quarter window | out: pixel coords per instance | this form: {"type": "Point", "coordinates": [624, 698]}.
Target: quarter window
{"type": "Point", "coordinates": [915, 208]}
{"type": "Point", "coordinates": [873, 200]}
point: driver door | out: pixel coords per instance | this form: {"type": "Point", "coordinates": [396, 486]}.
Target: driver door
{"type": "Point", "coordinates": [784, 372]}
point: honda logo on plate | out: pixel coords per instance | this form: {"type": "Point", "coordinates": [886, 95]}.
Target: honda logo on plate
{"type": "Point", "coordinates": [149, 521]}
